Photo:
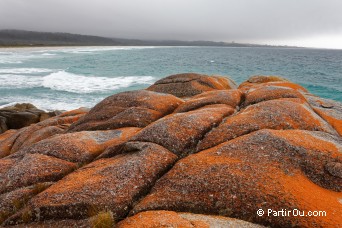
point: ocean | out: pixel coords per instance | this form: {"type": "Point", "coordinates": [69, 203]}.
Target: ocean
{"type": "Point", "coordinates": [66, 78]}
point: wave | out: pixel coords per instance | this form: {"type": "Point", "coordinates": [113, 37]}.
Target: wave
{"type": "Point", "coordinates": [69, 82]}
{"type": "Point", "coordinates": [48, 54]}
{"type": "Point", "coordinates": [64, 81]}
{"type": "Point", "coordinates": [12, 81]}
{"type": "Point", "coordinates": [18, 57]}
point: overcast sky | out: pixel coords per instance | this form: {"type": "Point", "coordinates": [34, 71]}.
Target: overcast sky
{"type": "Point", "coordinates": [316, 23]}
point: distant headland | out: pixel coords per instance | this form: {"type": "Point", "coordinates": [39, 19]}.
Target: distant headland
{"type": "Point", "coordinates": [22, 38]}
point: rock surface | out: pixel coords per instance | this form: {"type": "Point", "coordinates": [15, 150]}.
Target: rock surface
{"type": "Point", "coordinates": [190, 84]}
{"type": "Point", "coordinates": [186, 220]}
{"type": "Point", "coordinates": [22, 115]}
{"type": "Point", "coordinates": [127, 109]}
{"type": "Point", "coordinates": [190, 151]}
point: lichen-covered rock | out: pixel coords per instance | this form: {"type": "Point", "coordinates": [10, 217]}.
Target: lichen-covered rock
{"type": "Point", "coordinates": [128, 109]}
{"type": "Point", "coordinates": [228, 97]}
{"type": "Point", "coordinates": [219, 151]}
{"type": "Point", "coordinates": [190, 84]}
{"type": "Point", "coordinates": [264, 93]}
{"type": "Point", "coordinates": [7, 134]}
{"type": "Point", "coordinates": [84, 223]}
{"type": "Point", "coordinates": [13, 201]}
{"type": "Point", "coordinates": [267, 169]}
{"type": "Point", "coordinates": [107, 184]}
{"type": "Point", "coordinates": [273, 114]}
{"type": "Point", "coordinates": [181, 132]}
{"type": "Point", "coordinates": [80, 147]}
{"type": "Point", "coordinates": [329, 110]}
{"type": "Point", "coordinates": [262, 81]}
{"type": "Point", "coordinates": [29, 135]}
{"type": "Point", "coordinates": [149, 219]}
{"type": "Point", "coordinates": [32, 169]}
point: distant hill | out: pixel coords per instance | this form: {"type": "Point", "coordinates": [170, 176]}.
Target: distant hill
{"type": "Point", "coordinates": [29, 38]}
{"type": "Point", "coordinates": [9, 38]}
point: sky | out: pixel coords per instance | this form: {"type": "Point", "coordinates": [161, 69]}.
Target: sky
{"type": "Point", "coordinates": [308, 23]}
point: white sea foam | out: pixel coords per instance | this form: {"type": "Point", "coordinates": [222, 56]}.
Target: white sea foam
{"type": "Point", "coordinates": [19, 81]}
{"type": "Point", "coordinates": [48, 54]}
{"type": "Point", "coordinates": [64, 81]}
{"type": "Point", "coordinates": [69, 82]}
{"type": "Point", "coordinates": [17, 57]}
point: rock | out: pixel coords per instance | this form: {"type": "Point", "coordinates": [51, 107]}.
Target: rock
{"type": "Point", "coordinates": [217, 151]}
{"type": "Point", "coordinates": [118, 144]}
{"type": "Point", "coordinates": [22, 115]}
{"type": "Point", "coordinates": [334, 168]}
{"type": "Point", "coordinates": [181, 132]}
{"type": "Point", "coordinates": [41, 134]}
{"type": "Point", "coordinates": [3, 124]}
{"type": "Point", "coordinates": [107, 184]}
{"type": "Point", "coordinates": [265, 93]}
{"type": "Point", "coordinates": [16, 120]}
{"type": "Point", "coordinates": [13, 201]}
{"type": "Point", "coordinates": [34, 168]}
{"type": "Point", "coordinates": [79, 147]}
{"type": "Point", "coordinates": [267, 169]}
{"type": "Point", "coordinates": [75, 112]}
{"type": "Point", "coordinates": [262, 81]}
{"type": "Point", "coordinates": [257, 79]}
{"type": "Point", "coordinates": [149, 219]}
{"type": "Point", "coordinates": [20, 107]}
{"type": "Point", "coordinates": [218, 221]}
{"type": "Point", "coordinates": [190, 84]}
{"type": "Point", "coordinates": [7, 134]}
{"type": "Point", "coordinates": [329, 110]}
{"type": "Point", "coordinates": [228, 97]}
{"type": "Point", "coordinates": [128, 109]}
{"type": "Point", "coordinates": [29, 135]}
{"type": "Point", "coordinates": [46, 115]}
{"type": "Point", "coordinates": [273, 114]}
{"type": "Point", "coordinates": [5, 165]}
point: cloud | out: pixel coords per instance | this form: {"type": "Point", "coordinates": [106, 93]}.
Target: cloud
{"type": "Point", "coordinates": [226, 20]}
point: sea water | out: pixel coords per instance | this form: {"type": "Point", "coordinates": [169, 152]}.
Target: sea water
{"type": "Point", "coordinates": [70, 77]}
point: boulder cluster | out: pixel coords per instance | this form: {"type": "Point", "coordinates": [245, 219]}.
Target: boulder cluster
{"type": "Point", "coordinates": [189, 151]}
{"type": "Point", "coordinates": [22, 115]}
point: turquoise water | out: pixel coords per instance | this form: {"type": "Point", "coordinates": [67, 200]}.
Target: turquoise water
{"type": "Point", "coordinates": [70, 77]}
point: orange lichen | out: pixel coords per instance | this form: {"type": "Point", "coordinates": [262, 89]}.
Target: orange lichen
{"type": "Point", "coordinates": [287, 84]}
{"type": "Point", "coordinates": [127, 109]}
{"type": "Point", "coordinates": [106, 184]}
{"type": "Point", "coordinates": [310, 197]}
{"type": "Point", "coordinates": [7, 134]}
{"type": "Point", "coordinates": [336, 123]}
{"type": "Point", "coordinates": [190, 84]}
{"type": "Point", "coordinates": [264, 93]}
{"type": "Point", "coordinates": [268, 144]}
{"type": "Point", "coordinates": [273, 114]}
{"type": "Point", "coordinates": [228, 97]}
{"type": "Point", "coordinates": [181, 132]}
{"type": "Point", "coordinates": [243, 175]}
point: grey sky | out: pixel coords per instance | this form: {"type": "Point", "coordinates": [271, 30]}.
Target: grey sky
{"type": "Point", "coordinates": [256, 21]}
